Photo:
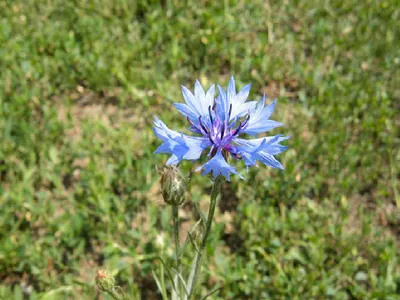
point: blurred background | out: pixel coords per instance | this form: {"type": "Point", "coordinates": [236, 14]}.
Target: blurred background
{"type": "Point", "coordinates": [80, 82]}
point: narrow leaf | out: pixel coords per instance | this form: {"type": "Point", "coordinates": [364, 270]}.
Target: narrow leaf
{"type": "Point", "coordinates": [192, 230]}
{"type": "Point", "coordinates": [160, 286]}
{"type": "Point", "coordinates": [212, 292]}
{"type": "Point", "coordinates": [202, 216]}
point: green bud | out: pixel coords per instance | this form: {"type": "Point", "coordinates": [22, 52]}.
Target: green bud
{"type": "Point", "coordinates": [105, 281]}
{"type": "Point", "coordinates": [173, 185]}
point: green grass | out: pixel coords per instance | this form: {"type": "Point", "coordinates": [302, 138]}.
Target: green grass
{"type": "Point", "coordinates": [80, 82]}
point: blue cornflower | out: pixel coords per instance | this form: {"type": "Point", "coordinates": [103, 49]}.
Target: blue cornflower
{"type": "Point", "coordinates": [219, 123]}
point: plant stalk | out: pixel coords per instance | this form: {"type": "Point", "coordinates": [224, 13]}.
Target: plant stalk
{"type": "Point", "coordinates": [113, 293]}
{"type": "Point", "coordinates": [195, 272]}
{"type": "Point", "coordinates": [175, 220]}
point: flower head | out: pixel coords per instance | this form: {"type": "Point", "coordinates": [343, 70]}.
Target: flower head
{"type": "Point", "coordinates": [104, 280]}
{"type": "Point", "coordinates": [219, 123]}
{"type": "Point", "coordinates": [173, 185]}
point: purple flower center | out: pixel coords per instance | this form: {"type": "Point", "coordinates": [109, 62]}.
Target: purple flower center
{"type": "Point", "coordinates": [220, 132]}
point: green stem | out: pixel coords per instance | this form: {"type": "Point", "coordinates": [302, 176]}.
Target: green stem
{"type": "Point", "coordinates": [175, 212]}
{"type": "Point", "coordinates": [213, 202]}
{"type": "Point", "coordinates": [113, 293]}
{"type": "Point", "coordinates": [194, 276]}
{"type": "Point", "coordinates": [175, 220]}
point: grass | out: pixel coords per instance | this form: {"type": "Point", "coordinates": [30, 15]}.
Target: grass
{"type": "Point", "coordinates": [80, 82]}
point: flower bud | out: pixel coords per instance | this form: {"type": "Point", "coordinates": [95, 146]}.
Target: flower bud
{"type": "Point", "coordinates": [173, 186]}
{"type": "Point", "coordinates": [105, 281]}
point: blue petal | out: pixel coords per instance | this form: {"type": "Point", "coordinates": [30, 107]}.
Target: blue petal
{"type": "Point", "coordinates": [269, 144]}
{"type": "Point", "coordinates": [178, 144]}
{"type": "Point", "coordinates": [196, 104]}
{"type": "Point", "coordinates": [240, 110]}
{"type": "Point", "coordinates": [241, 97]}
{"type": "Point", "coordinates": [195, 145]}
{"type": "Point", "coordinates": [262, 149]}
{"type": "Point", "coordinates": [209, 98]}
{"type": "Point", "coordinates": [269, 160]}
{"type": "Point", "coordinates": [206, 100]}
{"type": "Point", "coordinates": [235, 100]}
{"type": "Point", "coordinates": [186, 111]}
{"type": "Point", "coordinates": [162, 131]}
{"type": "Point", "coordinates": [173, 160]}
{"type": "Point", "coordinates": [239, 105]}
{"type": "Point", "coordinates": [200, 96]}
{"type": "Point", "coordinates": [191, 101]}
{"type": "Point", "coordinates": [218, 166]}
{"type": "Point", "coordinates": [222, 104]}
{"type": "Point", "coordinates": [231, 91]}
{"type": "Point", "coordinates": [259, 119]}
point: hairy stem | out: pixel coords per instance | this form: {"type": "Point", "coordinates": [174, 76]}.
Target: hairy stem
{"type": "Point", "coordinates": [175, 220]}
{"type": "Point", "coordinates": [195, 272]}
{"type": "Point", "coordinates": [113, 293]}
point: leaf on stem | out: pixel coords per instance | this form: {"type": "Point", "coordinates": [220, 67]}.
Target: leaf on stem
{"type": "Point", "coordinates": [187, 238]}
{"type": "Point", "coordinates": [202, 216]}
{"type": "Point", "coordinates": [160, 286]}
{"type": "Point", "coordinates": [168, 272]}
{"type": "Point", "coordinates": [182, 281]}
{"type": "Point", "coordinates": [212, 292]}
{"type": "Point", "coordinates": [193, 242]}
